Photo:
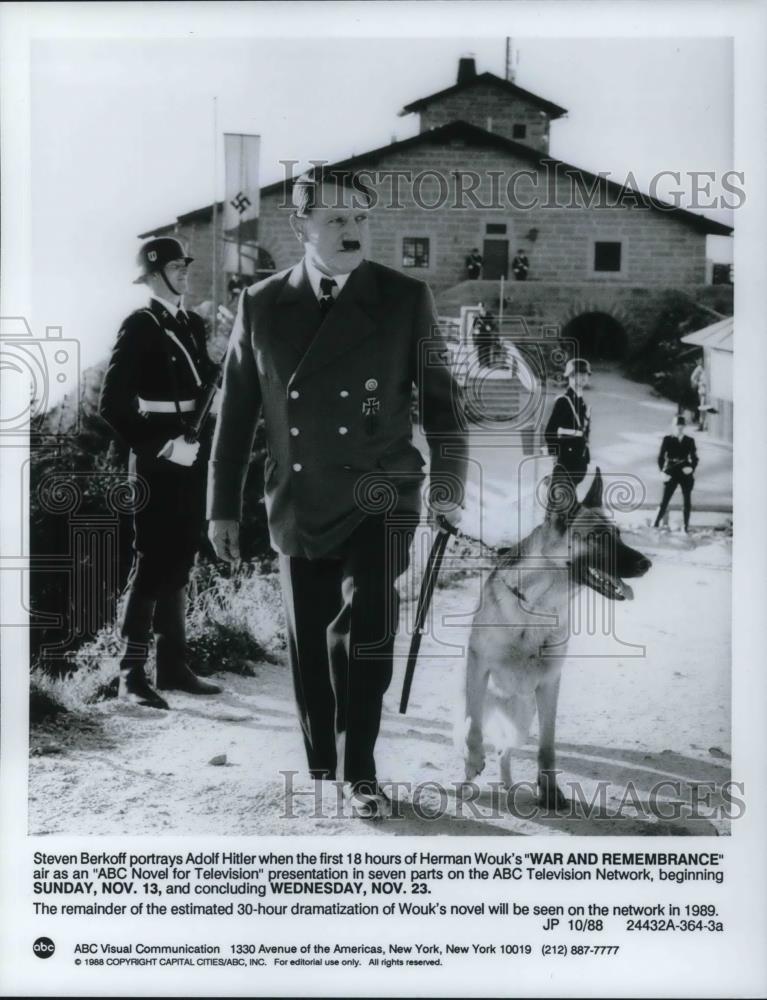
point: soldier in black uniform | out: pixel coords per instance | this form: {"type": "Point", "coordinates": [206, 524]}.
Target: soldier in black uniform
{"type": "Point", "coordinates": [330, 350]}
{"type": "Point", "coordinates": [474, 264]}
{"type": "Point", "coordinates": [677, 460]}
{"type": "Point", "coordinates": [568, 428]}
{"type": "Point", "coordinates": [520, 265]}
{"type": "Point", "coordinates": [156, 374]}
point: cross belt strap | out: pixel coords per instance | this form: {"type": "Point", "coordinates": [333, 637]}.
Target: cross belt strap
{"type": "Point", "coordinates": [578, 420]}
{"type": "Point", "coordinates": [166, 405]}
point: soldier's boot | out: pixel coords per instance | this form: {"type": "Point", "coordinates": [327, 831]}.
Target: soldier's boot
{"type": "Point", "coordinates": [173, 674]}
{"type": "Point", "coordinates": [134, 683]}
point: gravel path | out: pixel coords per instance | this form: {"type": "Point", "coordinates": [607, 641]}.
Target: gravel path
{"type": "Point", "coordinates": [626, 720]}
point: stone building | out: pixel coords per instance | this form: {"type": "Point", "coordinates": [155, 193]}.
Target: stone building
{"type": "Point", "coordinates": [479, 174]}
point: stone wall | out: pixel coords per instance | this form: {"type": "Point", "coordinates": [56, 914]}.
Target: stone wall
{"type": "Point", "coordinates": [660, 251]}
{"type": "Point", "coordinates": [484, 101]}
{"type": "Point", "coordinates": [558, 234]}
{"type": "Point", "coordinates": [541, 306]}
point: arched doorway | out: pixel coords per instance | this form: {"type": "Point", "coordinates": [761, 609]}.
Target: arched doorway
{"type": "Point", "coordinates": [600, 336]}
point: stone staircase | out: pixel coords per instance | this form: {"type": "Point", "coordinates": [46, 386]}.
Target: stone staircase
{"type": "Point", "coordinates": [497, 399]}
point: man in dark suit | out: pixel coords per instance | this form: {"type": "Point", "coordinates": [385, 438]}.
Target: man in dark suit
{"type": "Point", "coordinates": [568, 428]}
{"type": "Point", "coordinates": [677, 460]}
{"type": "Point", "coordinates": [330, 350]}
{"type": "Point", "coordinates": [151, 388]}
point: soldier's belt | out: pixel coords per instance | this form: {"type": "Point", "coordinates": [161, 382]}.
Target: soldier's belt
{"type": "Point", "coordinates": [165, 405]}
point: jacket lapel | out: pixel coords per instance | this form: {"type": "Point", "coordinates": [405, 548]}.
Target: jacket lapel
{"type": "Point", "coordinates": [167, 320]}
{"type": "Point", "coordinates": [295, 319]}
{"type": "Point", "coordinates": [177, 336]}
{"type": "Point", "coordinates": [350, 322]}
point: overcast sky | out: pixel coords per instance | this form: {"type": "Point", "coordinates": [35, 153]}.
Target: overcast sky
{"type": "Point", "coordinates": [122, 131]}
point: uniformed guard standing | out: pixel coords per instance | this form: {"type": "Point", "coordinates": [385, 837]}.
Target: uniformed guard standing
{"type": "Point", "coordinates": [568, 428]}
{"type": "Point", "coordinates": [474, 263]}
{"type": "Point", "coordinates": [158, 371]}
{"type": "Point", "coordinates": [677, 460]}
{"type": "Point", "coordinates": [330, 351]}
{"type": "Point", "coordinates": [520, 265]}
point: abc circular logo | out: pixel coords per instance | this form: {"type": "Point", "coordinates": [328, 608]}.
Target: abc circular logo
{"type": "Point", "coordinates": [43, 947]}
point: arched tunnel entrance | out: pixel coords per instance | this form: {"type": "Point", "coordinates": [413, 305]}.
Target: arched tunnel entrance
{"type": "Point", "coordinates": [599, 336]}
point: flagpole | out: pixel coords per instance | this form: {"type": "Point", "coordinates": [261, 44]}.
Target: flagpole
{"type": "Point", "coordinates": [214, 226]}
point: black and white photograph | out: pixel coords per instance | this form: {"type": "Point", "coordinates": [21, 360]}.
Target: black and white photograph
{"type": "Point", "coordinates": [369, 448]}
{"type": "Point", "coordinates": [515, 316]}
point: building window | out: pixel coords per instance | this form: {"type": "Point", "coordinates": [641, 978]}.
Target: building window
{"type": "Point", "coordinates": [415, 251]}
{"type": "Point", "coordinates": [519, 131]}
{"type": "Point", "coordinates": [607, 256]}
{"type": "Point", "coordinates": [495, 229]}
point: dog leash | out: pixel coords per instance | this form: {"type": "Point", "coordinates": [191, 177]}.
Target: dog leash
{"type": "Point", "coordinates": [424, 600]}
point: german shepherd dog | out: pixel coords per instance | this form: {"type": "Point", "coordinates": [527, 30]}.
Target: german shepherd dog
{"type": "Point", "coordinates": [514, 662]}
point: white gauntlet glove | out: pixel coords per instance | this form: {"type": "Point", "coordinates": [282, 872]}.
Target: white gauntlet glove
{"type": "Point", "coordinates": [180, 452]}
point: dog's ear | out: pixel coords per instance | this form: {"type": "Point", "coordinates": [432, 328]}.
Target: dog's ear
{"type": "Point", "coordinates": [561, 499]}
{"type": "Point", "coordinates": [593, 498]}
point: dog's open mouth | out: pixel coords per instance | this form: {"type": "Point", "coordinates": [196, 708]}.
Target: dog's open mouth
{"type": "Point", "coordinates": [609, 586]}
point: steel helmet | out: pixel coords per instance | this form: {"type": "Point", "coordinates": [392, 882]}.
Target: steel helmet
{"type": "Point", "coordinates": [155, 254]}
{"type": "Point", "coordinates": [577, 366]}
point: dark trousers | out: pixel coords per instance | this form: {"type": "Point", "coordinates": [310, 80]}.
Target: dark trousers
{"type": "Point", "coordinates": [165, 616]}
{"type": "Point", "coordinates": [686, 483]}
{"type": "Point", "coordinates": [342, 615]}
{"type": "Point", "coordinates": [167, 528]}
{"type": "Point", "coordinates": [574, 459]}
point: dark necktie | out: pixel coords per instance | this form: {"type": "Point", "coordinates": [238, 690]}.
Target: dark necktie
{"type": "Point", "coordinates": [326, 295]}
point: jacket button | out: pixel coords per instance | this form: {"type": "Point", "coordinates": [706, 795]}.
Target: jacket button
{"type": "Point", "coordinates": [297, 466]}
{"type": "Point", "coordinates": [347, 468]}
{"type": "Point", "coordinates": [295, 431]}
{"type": "Point", "coordinates": [294, 394]}
{"type": "Point", "coordinates": [343, 430]}
{"type": "Point", "coordinates": [343, 393]}
{"type": "Point", "coordinates": [371, 385]}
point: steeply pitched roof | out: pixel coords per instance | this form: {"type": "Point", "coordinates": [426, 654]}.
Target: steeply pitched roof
{"type": "Point", "coordinates": [551, 109]}
{"type": "Point", "coordinates": [472, 135]}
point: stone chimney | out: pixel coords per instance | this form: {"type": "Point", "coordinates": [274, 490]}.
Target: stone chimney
{"type": "Point", "coordinates": [467, 70]}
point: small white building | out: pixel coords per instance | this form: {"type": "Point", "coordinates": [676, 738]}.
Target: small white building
{"type": "Point", "coordinates": [717, 344]}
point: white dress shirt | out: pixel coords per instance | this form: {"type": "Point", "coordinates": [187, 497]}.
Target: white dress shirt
{"type": "Point", "coordinates": [315, 276]}
{"type": "Point", "coordinates": [174, 310]}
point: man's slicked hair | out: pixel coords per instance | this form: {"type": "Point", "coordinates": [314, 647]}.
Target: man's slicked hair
{"type": "Point", "coordinates": [308, 189]}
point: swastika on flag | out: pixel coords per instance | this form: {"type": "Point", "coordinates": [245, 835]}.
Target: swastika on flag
{"type": "Point", "coordinates": [241, 202]}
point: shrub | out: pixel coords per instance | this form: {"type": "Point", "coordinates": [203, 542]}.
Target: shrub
{"type": "Point", "coordinates": [664, 361]}
{"type": "Point", "coordinates": [233, 622]}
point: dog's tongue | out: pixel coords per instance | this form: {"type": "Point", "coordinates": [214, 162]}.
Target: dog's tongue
{"type": "Point", "coordinates": [628, 593]}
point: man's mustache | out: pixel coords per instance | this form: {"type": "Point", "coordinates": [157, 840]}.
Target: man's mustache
{"type": "Point", "coordinates": [351, 244]}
